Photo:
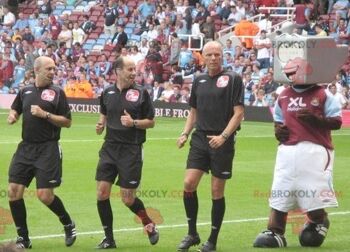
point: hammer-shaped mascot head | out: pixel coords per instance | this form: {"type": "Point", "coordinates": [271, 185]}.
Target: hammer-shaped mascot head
{"type": "Point", "coordinates": [307, 60]}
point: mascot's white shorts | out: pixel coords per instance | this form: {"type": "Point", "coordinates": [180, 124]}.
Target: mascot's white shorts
{"type": "Point", "coordinates": [303, 178]}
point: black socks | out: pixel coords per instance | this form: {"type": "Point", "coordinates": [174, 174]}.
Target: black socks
{"type": "Point", "coordinates": [139, 209]}
{"type": "Point", "coordinates": [19, 215]}
{"type": "Point", "coordinates": [217, 216]}
{"type": "Point", "coordinates": [57, 207]}
{"type": "Point", "coordinates": [106, 215]}
{"type": "Point", "coordinates": [191, 207]}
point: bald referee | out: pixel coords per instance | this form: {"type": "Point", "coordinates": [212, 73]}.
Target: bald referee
{"type": "Point", "coordinates": [217, 110]}
{"type": "Point", "coordinates": [45, 110]}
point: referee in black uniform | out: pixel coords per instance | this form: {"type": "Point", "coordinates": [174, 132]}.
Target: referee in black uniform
{"type": "Point", "coordinates": [126, 112]}
{"type": "Point", "coordinates": [45, 110]}
{"type": "Point", "coordinates": [217, 110]}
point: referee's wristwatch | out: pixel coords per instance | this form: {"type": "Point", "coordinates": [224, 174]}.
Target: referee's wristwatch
{"type": "Point", "coordinates": [225, 135]}
{"type": "Point", "coordinates": [184, 134]}
{"type": "Point", "coordinates": [48, 115]}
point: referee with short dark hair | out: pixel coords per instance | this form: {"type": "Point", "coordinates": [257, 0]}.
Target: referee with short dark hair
{"type": "Point", "coordinates": [45, 110]}
{"type": "Point", "coordinates": [217, 108]}
{"type": "Point", "coordinates": [126, 112]}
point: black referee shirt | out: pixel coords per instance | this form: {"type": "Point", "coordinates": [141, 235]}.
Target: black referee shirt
{"type": "Point", "coordinates": [136, 101]}
{"type": "Point", "coordinates": [51, 99]}
{"type": "Point", "coordinates": [214, 99]}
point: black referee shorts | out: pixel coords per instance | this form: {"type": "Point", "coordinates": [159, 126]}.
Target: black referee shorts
{"type": "Point", "coordinates": [202, 157]}
{"type": "Point", "coordinates": [120, 160]}
{"type": "Point", "coordinates": [40, 160]}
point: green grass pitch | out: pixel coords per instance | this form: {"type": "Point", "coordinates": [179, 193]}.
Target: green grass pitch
{"type": "Point", "coordinates": [246, 193]}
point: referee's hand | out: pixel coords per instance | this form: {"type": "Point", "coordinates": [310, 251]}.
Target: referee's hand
{"type": "Point", "coordinates": [37, 111]}
{"type": "Point", "coordinates": [216, 141]}
{"type": "Point", "coordinates": [11, 119]}
{"type": "Point", "coordinates": [99, 128]}
{"type": "Point", "coordinates": [181, 141]}
{"type": "Point", "coordinates": [126, 119]}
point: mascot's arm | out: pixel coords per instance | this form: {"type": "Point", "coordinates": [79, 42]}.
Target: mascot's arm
{"type": "Point", "coordinates": [330, 123]}
{"type": "Point", "coordinates": [281, 132]}
{"type": "Point", "coordinates": [330, 120]}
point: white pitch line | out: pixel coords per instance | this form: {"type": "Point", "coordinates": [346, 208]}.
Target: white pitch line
{"type": "Point", "coordinates": [148, 139]}
{"type": "Point", "coordinates": [89, 140]}
{"type": "Point", "coordinates": [42, 237]}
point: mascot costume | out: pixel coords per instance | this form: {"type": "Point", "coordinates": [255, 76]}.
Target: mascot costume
{"type": "Point", "coordinates": [304, 116]}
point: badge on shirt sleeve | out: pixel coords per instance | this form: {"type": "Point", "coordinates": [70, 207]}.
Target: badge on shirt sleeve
{"type": "Point", "coordinates": [132, 95]}
{"type": "Point", "coordinates": [315, 102]}
{"type": "Point", "coordinates": [48, 95]}
{"type": "Point", "coordinates": [222, 81]}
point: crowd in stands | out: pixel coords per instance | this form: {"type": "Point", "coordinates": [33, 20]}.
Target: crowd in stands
{"type": "Point", "coordinates": [166, 59]}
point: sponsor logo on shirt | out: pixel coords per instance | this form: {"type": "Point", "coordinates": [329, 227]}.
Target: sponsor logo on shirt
{"type": "Point", "coordinates": [315, 102]}
{"type": "Point", "coordinates": [132, 95]}
{"type": "Point", "coordinates": [296, 104]}
{"type": "Point", "coordinates": [28, 92]}
{"type": "Point", "coordinates": [48, 95]}
{"type": "Point", "coordinates": [222, 81]}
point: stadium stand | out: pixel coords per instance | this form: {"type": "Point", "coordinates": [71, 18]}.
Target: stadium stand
{"type": "Point", "coordinates": [167, 20]}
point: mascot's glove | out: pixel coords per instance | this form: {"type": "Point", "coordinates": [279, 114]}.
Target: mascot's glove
{"type": "Point", "coordinates": [281, 132]}
{"type": "Point", "coordinates": [317, 121]}
{"type": "Point", "coordinates": [308, 117]}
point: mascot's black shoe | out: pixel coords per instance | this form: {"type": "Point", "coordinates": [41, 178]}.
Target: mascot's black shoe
{"type": "Point", "coordinates": [314, 234]}
{"type": "Point", "coordinates": [269, 239]}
